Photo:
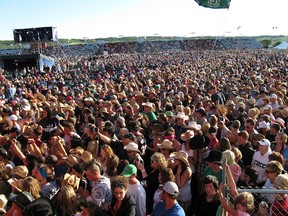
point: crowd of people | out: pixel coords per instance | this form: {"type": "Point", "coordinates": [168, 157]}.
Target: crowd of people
{"type": "Point", "coordinates": [145, 134]}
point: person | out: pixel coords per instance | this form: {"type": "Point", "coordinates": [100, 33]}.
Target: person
{"type": "Point", "coordinates": [279, 144]}
{"type": "Point", "coordinates": [169, 205]}
{"type": "Point", "coordinates": [260, 160]}
{"type": "Point", "coordinates": [273, 169]}
{"type": "Point", "coordinates": [19, 202]}
{"type": "Point", "coordinates": [214, 167]}
{"type": "Point", "coordinates": [280, 205]}
{"type": "Point", "coordinates": [245, 147]}
{"type": "Point", "coordinates": [244, 202]}
{"type": "Point", "coordinates": [165, 175]}
{"type": "Point", "coordinates": [208, 201]}
{"type": "Point", "coordinates": [135, 189]}
{"type": "Point", "coordinates": [235, 168]}
{"type": "Point", "coordinates": [90, 209]}
{"type": "Point", "coordinates": [48, 183]}
{"type": "Point", "coordinates": [66, 201]}
{"type": "Point", "coordinates": [3, 202]}
{"type": "Point", "coordinates": [99, 190]}
{"type": "Point", "coordinates": [158, 162]}
{"type": "Point", "coordinates": [122, 204]}
{"type": "Point", "coordinates": [183, 179]}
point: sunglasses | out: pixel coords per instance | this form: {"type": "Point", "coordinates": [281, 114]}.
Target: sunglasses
{"type": "Point", "coordinates": [269, 171]}
{"type": "Point", "coordinates": [129, 152]}
{"type": "Point", "coordinates": [242, 203]}
{"type": "Point", "coordinates": [163, 149]}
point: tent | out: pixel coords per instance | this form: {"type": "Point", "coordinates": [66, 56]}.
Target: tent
{"type": "Point", "coordinates": [283, 45]}
{"type": "Point", "coordinates": [12, 62]}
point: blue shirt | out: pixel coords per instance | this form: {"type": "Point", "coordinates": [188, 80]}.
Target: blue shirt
{"type": "Point", "coordinates": [160, 210]}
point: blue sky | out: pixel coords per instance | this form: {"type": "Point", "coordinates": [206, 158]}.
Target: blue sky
{"type": "Point", "coordinates": [104, 18]}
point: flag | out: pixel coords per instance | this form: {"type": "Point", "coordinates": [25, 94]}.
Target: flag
{"type": "Point", "coordinates": [216, 4]}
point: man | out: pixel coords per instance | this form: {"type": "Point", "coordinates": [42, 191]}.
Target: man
{"type": "Point", "coordinates": [135, 189]}
{"type": "Point", "coordinates": [250, 127]}
{"type": "Point", "coordinates": [245, 147]}
{"type": "Point", "coordinates": [100, 186]}
{"type": "Point", "coordinates": [260, 160]}
{"type": "Point", "coordinates": [169, 205]}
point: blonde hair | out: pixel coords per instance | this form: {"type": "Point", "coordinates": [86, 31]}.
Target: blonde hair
{"type": "Point", "coordinates": [281, 182]}
{"type": "Point", "coordinates": [32, 186]}
{"type": "Point", "coordinates": [229, 156]}
{"type": "Point", "coordinates": [249, 199]}
{"type": "Point", "coordinates": [160, 159]}
{"type": "Point", "coordinates": [67, 199]}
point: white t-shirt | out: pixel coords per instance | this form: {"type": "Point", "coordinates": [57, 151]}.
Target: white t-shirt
{"type": "Point", "coordinates": [139, 194]}
{"type": "Point", "coordinates": [259, 162]}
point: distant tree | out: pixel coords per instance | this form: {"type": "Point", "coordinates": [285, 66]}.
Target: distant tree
{"type": "Point", "coordinates": [277, 43]}
{"type": "Point", "coordinates": [266, 42]}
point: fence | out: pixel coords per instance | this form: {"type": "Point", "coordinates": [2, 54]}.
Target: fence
{"type": "Point", "coordinates": [260, 199]}
{"type": "Point", "coordinates": [263, 199]}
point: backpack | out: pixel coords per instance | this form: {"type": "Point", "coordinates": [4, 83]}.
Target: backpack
{"type": "Point", "coordinates": [41, 206]}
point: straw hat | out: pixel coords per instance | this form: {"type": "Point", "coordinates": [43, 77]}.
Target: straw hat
{"type": "Point", "coordinates": [148, 104]}
{"type": "Point", "coordinates": [86, 156]}
{"type": "Point", "coordinates": [71, 180]}
{"type": "Point", "coordinates": [167, 144]}
{"type": "Point", "coordinates": [3, 202]}
{"type": "Point", "coordinates": [40, 97]}
{"type": "Point", "coordinates": [16, 183]}
{"type": "Point", "coordinates": [181, 115]}
{"type": "Point", "coordinates": [78, 150]}
{"type": "Point", "coordinates": [72, 160]}
{"type": "Point", "coordinates": [194, 125]}
{"type": "Point", "coordinates": [187, 135]}
{"type": "Point", "coordinates": [181, 155]}
{"type": "Point", "coordinates": [132, 146]}
{"type": "Point", "coordinates": [21, 171]}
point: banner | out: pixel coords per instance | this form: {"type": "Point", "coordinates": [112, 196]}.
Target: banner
{"type": "Point", "coordinates": [216, 4]}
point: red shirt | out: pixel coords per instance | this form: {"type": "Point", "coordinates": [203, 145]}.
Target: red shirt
{"type": "Point", "coordinates": [280, 207]}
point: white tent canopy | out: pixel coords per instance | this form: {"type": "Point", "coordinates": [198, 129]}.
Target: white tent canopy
{"type": "Point", "coordinates": [283, 45]}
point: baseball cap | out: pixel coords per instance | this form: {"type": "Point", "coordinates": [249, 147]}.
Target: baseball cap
{"type": "Point", "coordinates": [129, 170]}
{"type": "Point", "coordinates": [264, 142]}
{"type": "Point", "coordinates": [171, 188]}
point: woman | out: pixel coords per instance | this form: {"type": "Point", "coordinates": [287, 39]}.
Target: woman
{"type": "Point", "coordinates": [90, 209]}
{"type": "Point", "coordinates": [32, 186]}
{"type": "Point", "coordinates": [164, 176]}
{"type": "Point", "coordinates": [49, 186]}
{"type": "Point", "coordinates": [279, 144]}
{"type": "Point", "coordinates": [109, 161]}
{"type": "Point", "coordinates": [280, 205]}
{"type": "Point", "coordinates": [208, 201]}
{"type": "Point", "coordinates": [158, 163]}
{"type": "Point", "coordinates": [183, 179]}
{"type": "Point", "coordinates": [122, 204]}
{"type": "Point", "coordinates": [244, 202]}
{"type": "Point", "coordinates": [236, 171]}
{"type": "Point", "coordinates": [66, 201]}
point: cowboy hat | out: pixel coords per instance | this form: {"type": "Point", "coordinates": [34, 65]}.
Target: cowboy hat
{"type": "Point", "coordinates": [167, 144]}
{"type": "Point", "coordinates": [194, 125]}
{"type": "Point", "coordinates": [181, 155]}
{"type": "Point", "coordinates": [187, 135]}
{"type": "Point", "coordinates": [132, 146]}
{"type": "Point", "coordinates": [181, 115]}
{"type": "Point", "coordinates": [71, 180]}
{"type": "Point", "coordinates": [16, 183]}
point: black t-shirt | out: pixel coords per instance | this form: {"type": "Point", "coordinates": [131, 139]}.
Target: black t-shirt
{"type": "Point", "coordinates": [206, 208]}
